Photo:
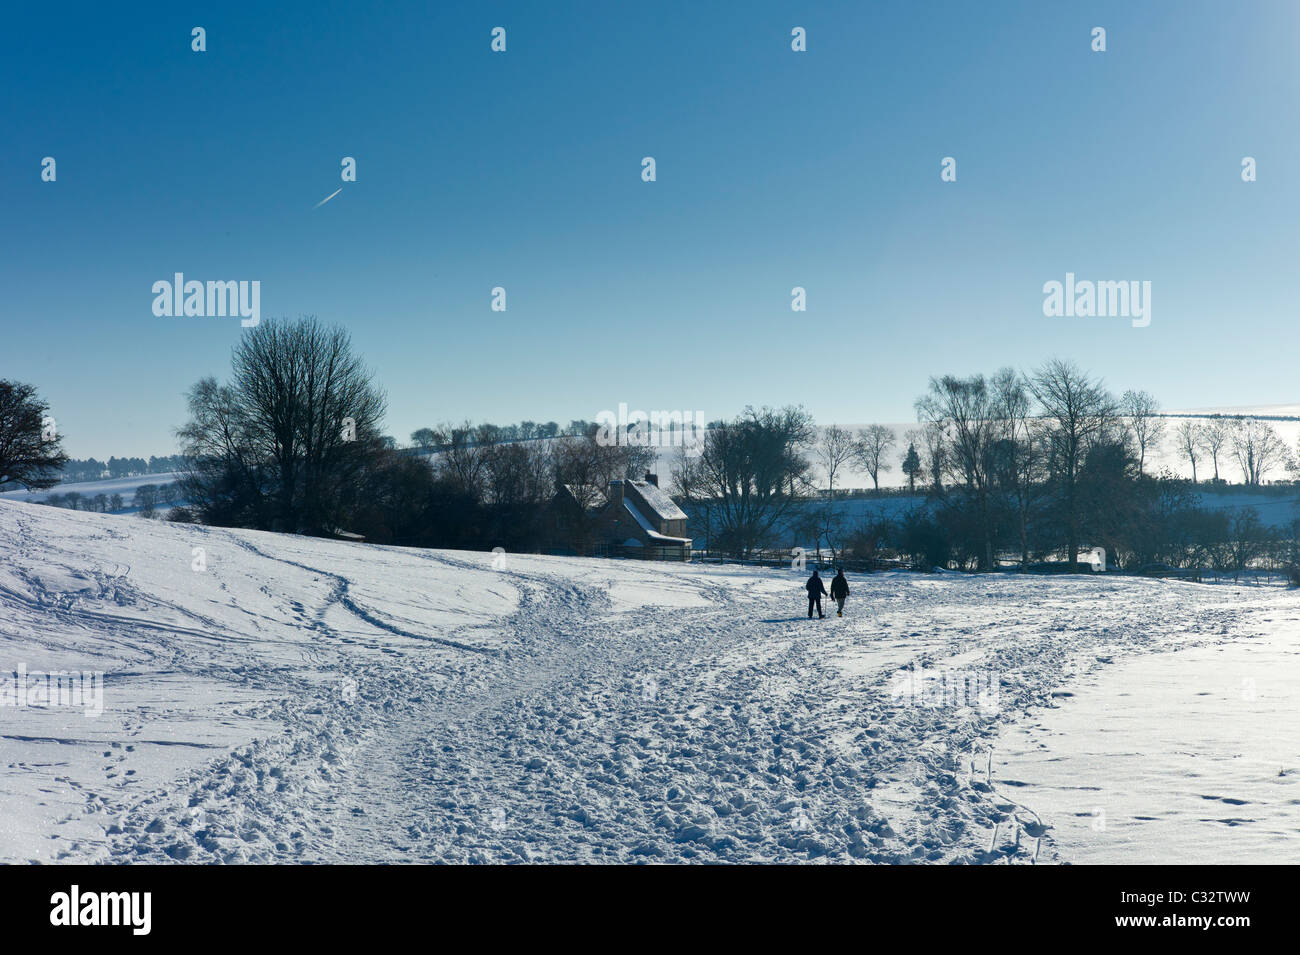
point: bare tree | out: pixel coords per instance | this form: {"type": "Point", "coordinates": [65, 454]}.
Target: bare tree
{"type": "Point", "coordinates": [873, 445]}
{"type": "Point", "coordinates": [1018, 457]}
{"type": "Point", "coordinates": [963, 411]}
{"type": "Point", "coordinates": [832, 527]}
{"type": "Point", "coordinates": [794, 427]}
{"type": "Point", "coordinates": [587, 464]}
{"type": "Point", "coordinates": [517, 478]}
{"type": "Point", "coordinates": [686, 476]}
{"type": "Point", "coordinates": [30, 451]}
{"type": "Point", "coordinates": [463, 459]}
{"type": "Point", "coordinates": [1257, 447]}
{"type": "Point", "coordinates": [754, 469]}
{"type": "Point", "coordinates": [1079, 413]}
{"type": "Point", "coordinates": [833, 451]}
{"type": "Point", "coordinates": [1189, 435]}
{"type": "Point", "coordinates": [284, 443]}
{"type": "Point", "coordinates": [226, 480]}
{"type": "Point", "coordinates": [1142, 418]}
{"type": "Point", "coordinates": [1216, 434]}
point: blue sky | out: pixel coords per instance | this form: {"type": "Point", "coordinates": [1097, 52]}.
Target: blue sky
{"type": "Point", "coordinates": [522, 170]}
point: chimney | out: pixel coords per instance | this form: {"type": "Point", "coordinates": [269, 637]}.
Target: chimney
{"type": "Point", "coordinates": [652, 478]}
{"type": "Point", "coordinates": [616, 494]}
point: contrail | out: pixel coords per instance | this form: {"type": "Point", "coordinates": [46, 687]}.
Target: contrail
{"type": "Point", "coordinates": [328, 198]}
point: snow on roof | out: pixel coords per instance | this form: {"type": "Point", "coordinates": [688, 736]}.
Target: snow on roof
{"type": "Point", "coordinates": [649, 528]}
{"type": "Point", "coordinates": [660, 502]}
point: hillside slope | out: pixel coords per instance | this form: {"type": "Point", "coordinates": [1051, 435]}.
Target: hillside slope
{"type": "Point", "coordinates": [305, 700]}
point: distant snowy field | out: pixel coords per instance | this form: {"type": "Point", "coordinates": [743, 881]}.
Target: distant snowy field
{"type": "Point", "coordinates": [303, 700]}
{"type": "Point", "coordinates": [126, 487]}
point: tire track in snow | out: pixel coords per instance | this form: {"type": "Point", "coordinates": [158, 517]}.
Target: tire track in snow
{"type": "Point", "coordinates": [341, 595]}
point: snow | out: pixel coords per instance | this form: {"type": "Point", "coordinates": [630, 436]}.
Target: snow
{"type": "Point", "coordinates": [648, 527]}
{"type": "Point", "coordinates": [658, 501]}
{"type": "Point", "coordinates": [1279, 411]}
{"type": "Point", "coordinates": [1213, 782]}
{"type": "Point", "coordinates": [126, 487]}
{"type": "Point", "coordinates": [296, 699]}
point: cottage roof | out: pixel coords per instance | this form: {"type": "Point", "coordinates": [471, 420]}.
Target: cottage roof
{"type": "Point", "coordinates": [649, 528]}
{"type": "Point", "coordinates": [658, 501]}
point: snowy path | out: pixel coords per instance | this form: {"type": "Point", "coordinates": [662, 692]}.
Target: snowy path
{"type": "Point", "coordinates": [303, 700]}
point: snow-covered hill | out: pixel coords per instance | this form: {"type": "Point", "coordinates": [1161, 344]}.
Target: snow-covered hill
{"type": "Point", "coordinates": [285, 699]}
{"type": "Point", "coordinates": [125, 487]}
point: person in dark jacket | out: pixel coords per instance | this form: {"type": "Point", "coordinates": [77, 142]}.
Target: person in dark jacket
{"type": "Point", "coordinates": [839, 591]}
{"type": "Point", "coordinates": [815, 589]}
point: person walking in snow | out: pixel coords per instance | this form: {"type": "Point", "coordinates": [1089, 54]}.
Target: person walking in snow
{"type": "Point", "coordinates": [840, 591]}
{"type": "Point", "coordinates": [815, 589]}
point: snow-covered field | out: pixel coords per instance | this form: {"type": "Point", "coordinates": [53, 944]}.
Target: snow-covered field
{"type": "Point", "coordinates": [1212, 780]}
{"type": "Point", "coordinates": [1277, 507]}
{"type": "Point", "coordinates": [126, 487]}
{"type": "Point", "coordinates": [283, 699]}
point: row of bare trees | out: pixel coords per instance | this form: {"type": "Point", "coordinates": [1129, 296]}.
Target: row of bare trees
{"type": "Point", "coordinates": [1250, 443]}
{"type": "Point", "coordinates": [837, 448]}
{"type": "Point", "coordinates": [1044, 462]}
{"type": "Point", "coordinates": [432, 438]}
{"type": "Point", "coordinates": [1008, 443]}
{"type": "Point", "coordinates": [1253, 444]}
{"type": "Point", "coordinates": [1037, 462]}
{"type": "Point", "coordinates": [1000, 448]}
